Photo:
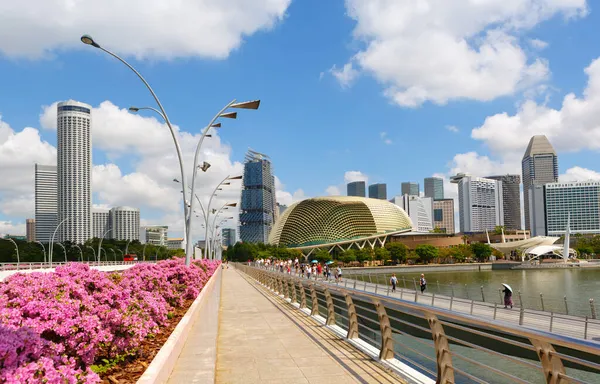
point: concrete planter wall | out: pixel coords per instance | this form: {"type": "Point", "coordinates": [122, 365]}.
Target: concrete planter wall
{"type": "Point", "coordinates": [161, 367]}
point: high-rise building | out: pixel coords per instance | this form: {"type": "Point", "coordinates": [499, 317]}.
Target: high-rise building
{"type": "Point", "coordinates": [281, 208]}
{"type": "Point", "coordinates": [125, 223]}
{"type": "Point", "coordinates": [30, 229]}
{"type": "Point", "coordinates": [434, 187]}
{"type": "Point", "coordinates": [378, 191]}
{"type": "Point", "coordinates": [228, 237]}
{"type": "Point", "coordinates": [154, 234]}
{"type": "Point", "coordinates": [537, 210]}
{"type": "Point", "coordinates": [74, 171]}
{"type": "Point", "coordinates": [356, 188]}
{"type": "Point", "coordinates": [257, 208]}
{"type": "Point", "coordinates": [511, 199]}
{"type": "Point", "coordinates": [581, 200]}
{"type": "Point", "coordinates": [479, 202]}
{"type": "Point", "coordinates": [101, 223]}
{"type": "Point", "coordinates": [46, 208]}
{"type": "Point", "coordinates": [419, 209]}
{"type": "Point", "coordinates": [443, 215]}
{"type": "Point", "coordinates": [539, 166]}
{"type": "Point", "coordinates": [410, 188]}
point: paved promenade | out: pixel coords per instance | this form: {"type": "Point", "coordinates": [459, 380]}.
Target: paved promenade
{"type": "Point", "coordinates": [262, 339]}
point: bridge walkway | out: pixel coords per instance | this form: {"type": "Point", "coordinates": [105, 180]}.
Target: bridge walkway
{"type": "Point", "coordinates": [263, 339]}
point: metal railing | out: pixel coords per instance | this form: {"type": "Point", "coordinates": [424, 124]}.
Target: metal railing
{"type": "Point", "coordinates": [40, 265]}
{"type": "Point", "coordinates": [446, 346]}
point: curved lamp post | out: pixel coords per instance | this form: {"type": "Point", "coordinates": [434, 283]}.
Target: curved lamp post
{"type": "Point", "coordinates": [100, 254]}
{"type": "Point", "coordinates": [51, 246]}
{"type": "Point", "coordinates": [127, 246]}
{"type": "Point", "coordinates": [114, 254]}
{"type": "Point", "coordinates": [93, 251]}
{"type": "Point", "coordinates": [16, 248]}
{"type": "Point", "coordinates": [43, 248]}
{"type": "Point", "coordinates": [80, 252]}
{"type": "Point", "coordinates": [64, 250]}
{"type": "Point", "coordinates": [207, 212]}
{"type": "Point", "coordinates": [100, 244]}
{"type": "Point", "coordinates": [86, 39]}
{"type": "Point", "coordinates": [144, 252]}
{"type": "Point", "coordinates": [212, 227]}
{"type": "Point", "coordinates": [122, 254]}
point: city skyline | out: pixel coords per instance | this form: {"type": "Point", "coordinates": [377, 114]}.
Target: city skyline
{"type": "Point", "coordinates": [481, 127]}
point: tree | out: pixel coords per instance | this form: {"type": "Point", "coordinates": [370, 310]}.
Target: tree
{"type": "Point", "coordinates": [322, 255]}
{"type": "Point", "coordinates": [498, 229]}
{"type": "Point", "coordinates": [481, 251]}
{"type": "Point", "coordinates": [348, 256]}
{"type": "Point", "coordinates": [382, 254]}
{"type": "Point", "coordinates": [364, 254]}
{"type": "Point", "coordinates": [465, 239]}
{"type": "Point", "coordinates": [461, 252]}
{"type": "Point", "coordinates": [398, 251]}
{"type": "Point", "coordinates": [437, 230]}
{"type": "Point", "coordinates": [426, 252]}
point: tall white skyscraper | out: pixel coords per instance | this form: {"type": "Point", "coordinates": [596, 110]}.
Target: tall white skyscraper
{"type": "Point", "coordinates": [74, 171]}
{"type": "Point", "coordinates": [101, 223]}
{"type": "Point", "coordinates": [46, 210]}
{"type": "Point", "coordinates": [419, 209]}
{"type": "Point", "coordinates": [125, 223]}
{"type": "Point", "coordinates": [479, 203]}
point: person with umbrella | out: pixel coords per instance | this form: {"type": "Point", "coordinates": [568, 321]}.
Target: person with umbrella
{"type": "Point", "coordinates": [507, 295]}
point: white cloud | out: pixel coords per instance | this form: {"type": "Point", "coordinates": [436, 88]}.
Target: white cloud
{"type": "Point", "coordinates": [441, 50]}
{"type": "Point", "coordinates": [345, 75]}
{"type": "Point", "coordinates": [578, 174]}
{"type": "Point", "coordinates": [333, 190]}
{"type": "Point", "coordinates": [573, 127]}
{"type": "Point", "coordinates": [452, 128]}
{"type": "Point", "coordinates": [385, 138]}
{"type": "Point", "coordinates": [538, 44]}
{"type": "Point", "coordinates": [141, 28]}
{"type": "Point", "coordinates": [351, 176]}
{"type": "Point", "coordinates": [287, 198]}
{"type": "Point", "coordinates": [8, 228]}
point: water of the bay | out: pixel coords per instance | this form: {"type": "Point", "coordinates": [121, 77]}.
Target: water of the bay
{"type": "Point", "coordinates": [578, 285]}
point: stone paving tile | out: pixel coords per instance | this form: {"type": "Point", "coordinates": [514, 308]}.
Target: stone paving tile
{"type": "Point", "coordinates": [263, 339]}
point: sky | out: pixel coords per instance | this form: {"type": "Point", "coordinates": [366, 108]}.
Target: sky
{"type": "Point", "coordinates": [381, 90]}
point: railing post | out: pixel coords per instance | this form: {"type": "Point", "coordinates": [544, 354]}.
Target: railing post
{"type": "Point", "coordinates": [415, 283]}
{"type": "Point", "coordinates": [302, 295]}
{"type": "Point", "coordinates": [500, 295]}
{"type": "Point", "coordinates": [452, 287]}
{"type": "Point", "coordinates": [472, 302]}
{"type": "Point", "coordinates": [585, 330]}
{"type": "Point", "coordinates": [495, 310]}
{"type": "Point", "coordinates": [445, 373]}
{"type": "Point", "coordinates": [315, 302]}
{"type": "Point", "coordinates": [521, 315]}
{"type": "Point", "coordinates": [352, 318]}
{"type": "Point", "coordinates": [294, 299]}
{"type": "Point", "coordinates": [593, 309]}
{"type": "Point", "coordinates": [482, 295]}
{"type": "Point", "coordinates": [551, 320]}
{"type": "Point", "coordinates": [520, 299]}
{"type": "Point", "coordinates": [551, 363]}
{"type": "Point", "coordinates": [330, 308]}
{"type": "Point", "coordinates": [451, 302]}
{"type": "Point", "coordinates": [566, 306]}
{"type": "Point", "coordinates": [286, 292]}
{"type": "Point", "coordinates": [542, 301]}
{"type": "Point", "coordinates": [387, 342]}
{"type": "Point", "coordinates": [404, 281]}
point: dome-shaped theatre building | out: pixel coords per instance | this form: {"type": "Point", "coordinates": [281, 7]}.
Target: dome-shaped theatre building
{"type": "Point", "coordinates": [338, 221]}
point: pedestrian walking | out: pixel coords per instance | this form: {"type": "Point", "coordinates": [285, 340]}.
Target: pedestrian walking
{"type": "Point", "coordinates": [423, 283]}
{"type": "Point", "coordinates": [507, 296]}
{"type": "Point", "coordinates": [308, 271]}
{"type": "Point", "coordinates": [339, 273]}
{"type": "Point", "coordinates": [393, 281]}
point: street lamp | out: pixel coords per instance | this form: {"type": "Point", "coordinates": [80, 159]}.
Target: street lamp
{"type": "Point", "coordinates": [43, 248]}
{"type": "Point", "coordinates": [16, 248]}
{"type": "Point", "coordinates": [80, 252]}
{"type": "Point", "coordinates": [87, 39]}
{"type": "Point", "coordinates": [127, 247]}
{"type": "Point", "coordinates": [100, 244]}
{"type": "Point", "coordinates": [206, 244]}
{"type": "Point", "coordinates": [114, 254]}
{"type": "Point", "coordinates": [254, 104]}
{"type": "Point", "coordinates": [93, 251]}
{"type": "Point", "coordinates": [64, 250]}
{"type": "Point", "coordinates": [122, 255]}
{"type": "Point", "coordinates": [51, 246]}
{"type": "Point", "coordinates": [144, 252]}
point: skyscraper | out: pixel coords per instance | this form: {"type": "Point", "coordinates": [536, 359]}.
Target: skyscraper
{"type": "Point", "coordinates": [434, 187]}
{"type": "Point", "coordinates": [419, 209]}
{"type": "Point", "coordinates": [228, 237]}
{"type": "Point", "coordinates": [257, 208]}
{"type": "Point", "coordinates": [410, 188]}
{"type": "Point", "coordinates": [356, 188]}
{"type": "Point", "coordinates": [155, 235]}
{"type": "Point", "coordinates": [74, 171]}
{"type": "Point", "coordinates": [30, 229]}
{"type": "Point", "coordinates": [580, 200]}
{"type": "Point", "coordinates": [540, 166]}
{"type": "Point", "coordinates": [443, 215]}
{"type": "Point", "coordinates": [479, 202]}
{"type": "Point", "coordinates": [101, 223]}
{"type": "Point", "coordinates": [511, 199]}
{"type": "Point", "coordinates": [125, 223]}
{"type": "Point", "coordinates": [46, 211]}
{"type": "Point", "coordinates": [378, 191]}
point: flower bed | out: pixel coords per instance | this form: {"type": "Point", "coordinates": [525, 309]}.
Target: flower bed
{"type": "Point", "coordinates": [55, 326]}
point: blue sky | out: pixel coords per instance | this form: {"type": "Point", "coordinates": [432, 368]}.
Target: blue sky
{"type": "Point", "coordinates": [391, 92]}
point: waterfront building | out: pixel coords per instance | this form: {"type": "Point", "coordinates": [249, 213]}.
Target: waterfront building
{"type": "Point", "coordinates": [356, 188]}
{"type": "Point", "coordinates": [480, 203]}
{"type": "Point", "coordinates": [125, 223]}
{"type": "Point", "coordinates": [579, 199]}
{"type": "Point", "coordinates": [434, 187]}
{"type": "Point", "coordinates": [539, 166]}
{"type": "Point", "coordinates": [175, 243]}
{"type": "Point", "coordinates": [74, 171]}
{"type": "Point", "coordinates": [228, 235]}
{"type": "Point", "coordinates": [258, 205]}
{"type": "Point", "coordinates": [443, 215]}
{"type": "Point", "coordinates": [46, 202]}
{"type": "Point", "coordinates": [154, 234]}
{"type": "Point", "coordinates": [511, 200]}
{"type": "Point", "coordinates": [30, 229]}
{"type": "Point", "coordinates": [410, 188]}
{"type": "Point", "coordinates": [419, 209]}
{"type": "Point", "coordinates": [378, 191]}
{"type": "Point", "coordinates": [101, 223]}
